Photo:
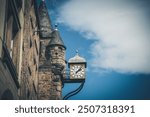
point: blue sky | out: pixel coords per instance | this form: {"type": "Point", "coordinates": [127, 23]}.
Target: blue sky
{"type": "Point", "coordinates": [114, 37]}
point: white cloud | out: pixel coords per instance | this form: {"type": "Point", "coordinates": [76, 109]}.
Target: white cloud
{"type": "Point", "coordinates": [120, 29]}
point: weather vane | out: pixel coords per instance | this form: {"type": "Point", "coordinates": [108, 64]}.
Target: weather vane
{"type": "Point", "coordinates": [77, 52]}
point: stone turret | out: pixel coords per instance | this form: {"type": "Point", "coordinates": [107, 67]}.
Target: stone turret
{"type": "Point", "coordinates": [55, 50]}
{"type": "Point", "coordinates": [52, 58]}
{"type": "Point", "coordinates": [45, 30]}
{"type": "Point", "coordinates": [44, 21]}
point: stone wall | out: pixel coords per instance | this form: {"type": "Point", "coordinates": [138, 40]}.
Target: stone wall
{"type": "Point", "coordinates": [30, 54]}
{"type": "Point", "coordinates": [49, 86]}
{"type": "Point", "coordinates": [30, 75]}
{"type": "Point", "coordinates": [2, 20]}
{"type": "Point", "coordinates": [8, 88]}
{"type": "Point", "coordinates": [9, 36]}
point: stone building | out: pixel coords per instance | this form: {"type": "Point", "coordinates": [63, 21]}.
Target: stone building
{"type": "Point", "coordinates": [32, 52]}
{"type": "Point", "coordinates": [52, 57]}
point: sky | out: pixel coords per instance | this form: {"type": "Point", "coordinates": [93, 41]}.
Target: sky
{"type": "Point", "coordinates": [114, 37]}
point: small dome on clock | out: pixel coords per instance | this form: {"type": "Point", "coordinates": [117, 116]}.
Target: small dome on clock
{"type": "Point", "coordinates": [77, 59]}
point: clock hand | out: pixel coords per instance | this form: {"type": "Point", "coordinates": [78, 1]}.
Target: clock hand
{"type": "Point", "coordinates": [79, 69]}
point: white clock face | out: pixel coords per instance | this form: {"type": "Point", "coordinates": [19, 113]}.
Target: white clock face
{"type": "Point", "coordinates": [77, 71]}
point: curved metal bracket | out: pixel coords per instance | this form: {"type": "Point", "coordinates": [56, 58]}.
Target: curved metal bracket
{"type": "Point", "coordinates": [72, 93]}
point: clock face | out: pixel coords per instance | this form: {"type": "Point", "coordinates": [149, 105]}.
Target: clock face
{"type": "Point", "coordinates": [77, 71]}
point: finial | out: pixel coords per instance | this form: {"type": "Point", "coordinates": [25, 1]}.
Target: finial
{"type": "Point", "coordinates": [77, 52]}
{"type": "Point", "coordinates": [56, 26]}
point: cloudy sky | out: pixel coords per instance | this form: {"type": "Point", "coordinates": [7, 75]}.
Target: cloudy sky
{"type": "Point", "coordinates": [114, 37]}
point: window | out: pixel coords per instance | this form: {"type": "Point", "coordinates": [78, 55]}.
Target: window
{"type": "Point", "coordinates": [12, 27]}
{"type": "Point", "coordinates": [34, 87]}
{"type": "Point", "coordinates": [36, 46]}
{"type": "Point", "coordinates": [18, 4]}
{"type": "Point", "coordinates": [23, 46]}
{"type": "Point", "coordinates": [30, 42]}
{"type": "Point", "coordinates": [31, 20]}
{"type": "Point", "coordinates": [12, 24]}
{"type": "Point", "coordinates": [29, 70]}
{"type": "Point", "coordinates": [34, 60]}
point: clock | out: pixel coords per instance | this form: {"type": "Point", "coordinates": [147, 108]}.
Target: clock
{"type": "Point", "coordinates": [77, 65]}
{"type": "Point", "coordinates": [77, 71]}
